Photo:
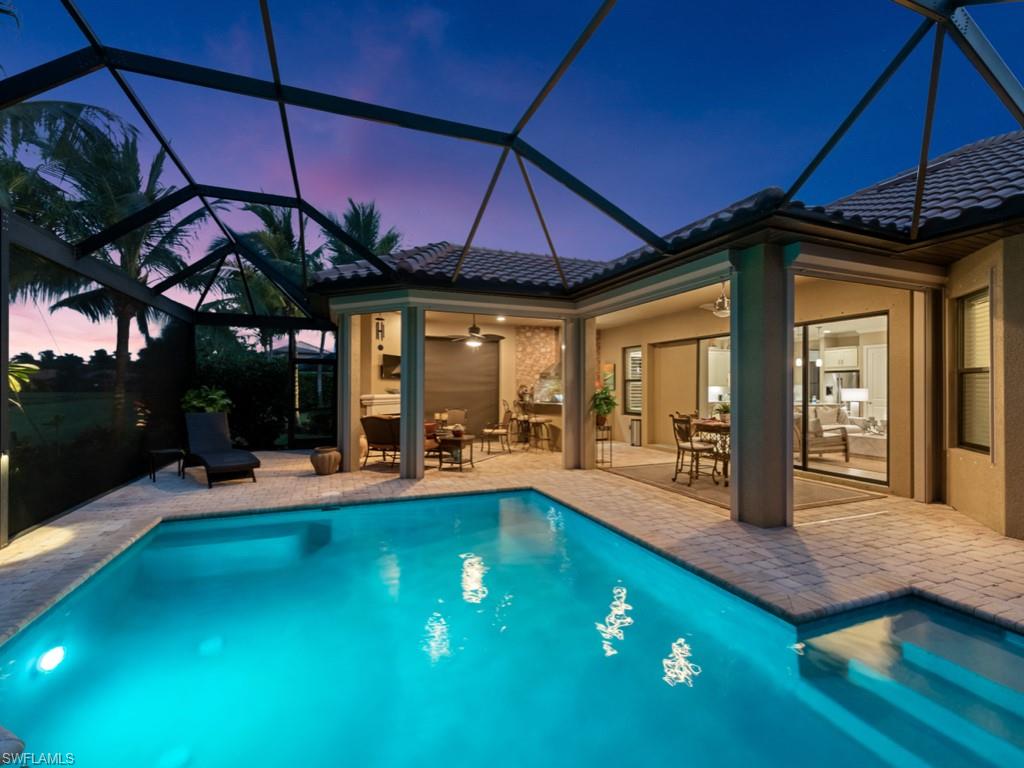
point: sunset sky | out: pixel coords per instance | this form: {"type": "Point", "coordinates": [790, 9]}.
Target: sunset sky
{"type": "Point", "coordinates": [673, 110]}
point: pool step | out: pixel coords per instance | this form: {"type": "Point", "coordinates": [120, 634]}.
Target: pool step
{"type": "Point", "coordinates": [938, 683]}
{"type": "Point", "coordinates": [963, 677]}
{"type": "Point", "coordinates": [203, 553]}
{"type": "Point", "coordinates": [860, 729]}
{"type": "Point", "coordinates": [984, 746]}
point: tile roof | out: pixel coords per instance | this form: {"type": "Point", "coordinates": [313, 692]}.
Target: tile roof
{"type": "Point", "coordinates": [504, 269]}
{"type": "Point", "coordinates": [967, 185]}
{"type": "Point", "coordinates": [976, 184]}
{"type": "Point", "coordinates": [436, 262]}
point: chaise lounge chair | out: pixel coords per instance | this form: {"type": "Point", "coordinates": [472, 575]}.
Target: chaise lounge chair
{"type": "Point", "coordinates": [209, 446]}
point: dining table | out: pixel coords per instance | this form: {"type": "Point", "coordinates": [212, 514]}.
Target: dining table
{"type": "Point", "coordinates": [718, 433]}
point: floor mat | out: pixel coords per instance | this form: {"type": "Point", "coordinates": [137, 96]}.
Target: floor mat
{"type": "Point", "coordinates": [807, 494]}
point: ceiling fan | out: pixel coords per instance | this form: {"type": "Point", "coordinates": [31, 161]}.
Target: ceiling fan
{"type": "Point", "coordinates": [474, 338]}
{"type": "Point", "coordinates": [720, 307]}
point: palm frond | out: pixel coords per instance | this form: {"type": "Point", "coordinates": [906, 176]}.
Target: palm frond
{"type": "Point", "coordinates": [96, 304]}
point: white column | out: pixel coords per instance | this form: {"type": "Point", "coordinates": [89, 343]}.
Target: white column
{"type": "Point", "coordinates": [761, 330]}
{"type": "Point", "coordinates": [580, 366]}
{"type": "Point", "coordinates": [412, 392]}
{"type": "Point", "coordinates": [349, 427]}
{"type": "Point", "coordinates": [574, 406]}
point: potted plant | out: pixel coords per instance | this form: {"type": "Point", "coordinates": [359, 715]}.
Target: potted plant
{"type": "Point", "coordinates": [602, 403]}
{"type": "Point", "coordinates": [206, 400]}
{"type": "Point", "coordinates": [723, 410]}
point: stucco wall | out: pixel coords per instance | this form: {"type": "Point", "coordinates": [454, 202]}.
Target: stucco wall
{"type": "Point", "coordinates": [978, 483]}
{"type": "Point", "coordinates": [814, 300]}
{"type": "Point", "coordinates": [664, 328]}
{"type": "Point", "coordinates": [832, 299]}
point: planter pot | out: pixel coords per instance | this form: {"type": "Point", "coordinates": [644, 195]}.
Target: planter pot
{"type": "Point", "coordinates": [326, 460]}
{"type": "Point", "coordinates": [601, 420]}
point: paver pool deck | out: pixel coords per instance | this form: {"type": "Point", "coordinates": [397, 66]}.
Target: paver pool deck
{"type": "Point", "coordinates": [865, 552]}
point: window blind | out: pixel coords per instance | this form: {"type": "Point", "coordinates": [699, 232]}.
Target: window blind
{"type": "Point", "coordinates": [633, 381]}
{"type": "Point", "coordinates": [975, 378]}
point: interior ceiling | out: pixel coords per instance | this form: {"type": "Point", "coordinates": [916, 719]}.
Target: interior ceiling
{"type": "Point", "coordinates": [681, 302]}
{"type": "Point", "coordinates": [684, 302]}
{"type": "Point", "coordinates": [871, 324]}
{"type": "Point", "coordinates": [465, 318]}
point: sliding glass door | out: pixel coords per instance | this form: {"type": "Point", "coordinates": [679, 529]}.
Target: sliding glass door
{"type": "Point", "coordinates": [841, 397]}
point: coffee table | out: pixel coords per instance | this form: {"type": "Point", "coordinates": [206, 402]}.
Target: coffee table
{"type": "Point", "coordinates": [455, 447]}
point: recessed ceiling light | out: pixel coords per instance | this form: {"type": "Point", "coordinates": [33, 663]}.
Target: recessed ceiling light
{"type": "Point", "coordinates": [500, 318]}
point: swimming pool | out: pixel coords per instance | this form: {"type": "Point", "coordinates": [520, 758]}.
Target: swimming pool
{"type": "Point", "coordinates": [486, 630]}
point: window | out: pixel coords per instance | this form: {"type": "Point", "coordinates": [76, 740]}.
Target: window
{"type": "Point", "coordinates": [633, 381]}
{"type": "Point", "coordinates": [974, 390]}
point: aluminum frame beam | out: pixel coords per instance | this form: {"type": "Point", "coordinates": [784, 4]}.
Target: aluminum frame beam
{"type": "Point", "coordinates": [33, 82]}
{"type": "Point", "coordinates": [543, 223]}
{"type": "Point", "coordinates": [986, 59]}
{"type": "Point", "coordinates": [280, 322]}
{"type": "Point", "coordinates": [133, 221]}
{"type": "Point", "coordinates": [5, 361]}
{"type": "Point", "coordinates": [858, 109]}
{"type": "Point", "coordinates": [294, 292]}
{"type": "Point", "coordinates": [542, 162]}
{"type": "Point", "coordinates": [268, 29]}
{"type": "Point", "coordinates": [926, 133]}
{"type": "Point", "coordinates": [968, 36]}
{"type": "Point", "coordinates": [40, 79]}
{"type": "Point", "coordinates": [136, 102]}
{"type": "Point", "coordinates": [50, 247]}
{"type": "Point", "coordinates": [193, 268]}
{"type": "Point", "coordinates": [531, 110]}
{"type": "Point", "coordinates": [206, 77]}
{"type": "Point", "coordinates": [325, 223]}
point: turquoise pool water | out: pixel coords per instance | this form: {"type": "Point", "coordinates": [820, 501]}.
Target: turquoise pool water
{"type": "Point", "coordinates": [491, 630]}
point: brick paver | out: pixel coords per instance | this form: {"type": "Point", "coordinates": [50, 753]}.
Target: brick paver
{"type": "Point", "coordinates": [869, 551]}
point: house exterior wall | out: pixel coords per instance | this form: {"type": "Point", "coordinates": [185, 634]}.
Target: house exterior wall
{"type": "Point", "coordinates": [833, 299]}
{"type": "Point", "coordinates": [814, 299]}
{"type": "Point", "coordinates": [986, 485]}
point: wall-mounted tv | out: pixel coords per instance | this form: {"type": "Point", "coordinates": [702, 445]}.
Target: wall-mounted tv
{"type": "Point", "coordinates": [390, 367]}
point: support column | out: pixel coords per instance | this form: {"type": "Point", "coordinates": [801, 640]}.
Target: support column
{"type": "Point", "coordinates": [761, 329]}
{"type": "Point", "coordinates": [580, 366]}
{"type": "Point", "coordinates": [412, 392]}
{"type": "Point", "coordinates": [5, 356]}
{"type": "Point", "coordinates": [348, 391]}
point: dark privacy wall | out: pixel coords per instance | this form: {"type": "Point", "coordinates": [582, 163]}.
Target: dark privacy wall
{"type": "Point", "coordinates": [457, 376]}
{"type": "Point", "coordinates": [82, 423]}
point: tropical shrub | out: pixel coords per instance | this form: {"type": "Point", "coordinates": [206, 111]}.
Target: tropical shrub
{"type": "Point", "coordinates": [206, 400]}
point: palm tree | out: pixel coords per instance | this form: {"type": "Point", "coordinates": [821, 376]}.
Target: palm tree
{"type": "Point", "coordinates": [92, 160]}
{"type": "Point", "coordinates": [27, 131]}
{"type": "Point", "coordinates": [362, 222]}
{"type": "Point", "coordinates": [276, 242]}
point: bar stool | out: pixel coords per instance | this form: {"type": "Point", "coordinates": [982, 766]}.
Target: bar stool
{"type": "Point", "coordinates": [540, 432]}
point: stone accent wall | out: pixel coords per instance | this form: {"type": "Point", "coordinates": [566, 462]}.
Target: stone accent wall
{"type": "Point", "coordinates": [536, 349]}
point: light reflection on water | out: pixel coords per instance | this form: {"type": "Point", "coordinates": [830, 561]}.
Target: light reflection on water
{"type": "Point", "coordinates": [473, 570]}
{"type": "Point", "coordinates": [677, 665]}
{"type": "Point", "coordinates": [436, 643]}
{"type": "Point", "coordinates": [615, 621]}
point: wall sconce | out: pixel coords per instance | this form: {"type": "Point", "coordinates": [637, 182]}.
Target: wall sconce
{"type": "Point", "coordinates": [378, 328]}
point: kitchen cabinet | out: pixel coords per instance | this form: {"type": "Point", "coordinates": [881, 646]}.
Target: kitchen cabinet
{"type": "Point", "coordinates": [840, 357]}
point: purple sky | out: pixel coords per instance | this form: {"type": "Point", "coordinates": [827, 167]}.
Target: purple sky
{"type": "Point", "coordinates": [672, 111]}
